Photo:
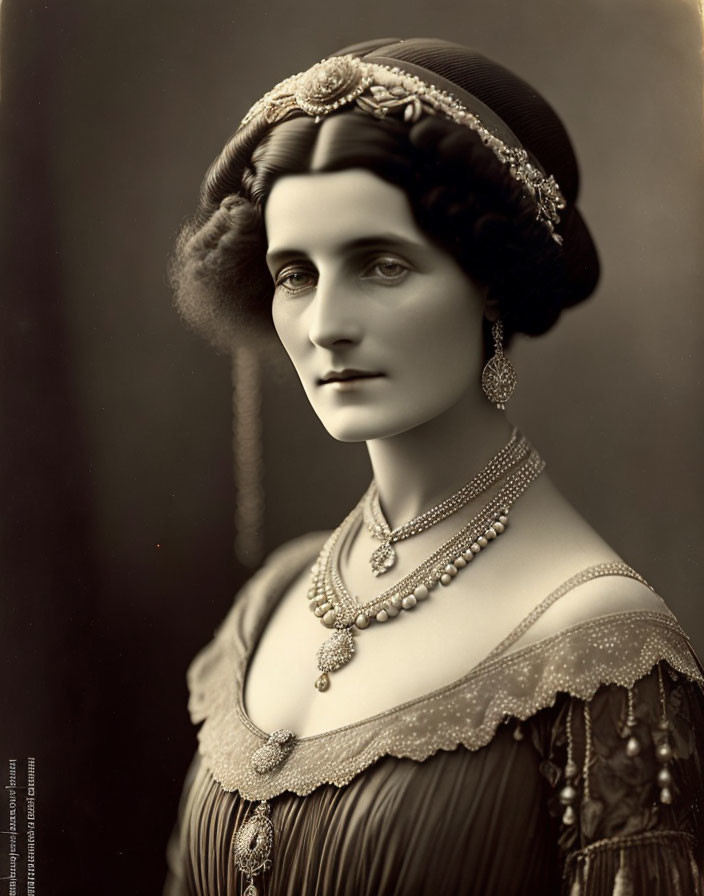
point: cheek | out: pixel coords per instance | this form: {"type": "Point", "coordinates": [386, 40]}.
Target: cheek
{"type": "Point", "coordinates": [446, 341]}
{"type": "Point", "coordinates": [287, 327]}
{"type": "Point", "coordinates": [292, 330]}
{"type": "Point", "coordinates": [447, 367]}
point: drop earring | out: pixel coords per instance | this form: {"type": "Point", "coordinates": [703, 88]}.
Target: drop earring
{"type": "Point", "coordinates": [499, 375]}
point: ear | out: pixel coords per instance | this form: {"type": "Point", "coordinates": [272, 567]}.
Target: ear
{"type": "Point", "coordinates": [490, 307]}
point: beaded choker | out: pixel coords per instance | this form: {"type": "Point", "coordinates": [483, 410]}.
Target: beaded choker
{"type": "Point", "coordinates": [384, 557]}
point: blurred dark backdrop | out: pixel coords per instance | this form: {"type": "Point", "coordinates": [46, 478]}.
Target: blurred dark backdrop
{"type": "Point", "coordinates": [118, 497]}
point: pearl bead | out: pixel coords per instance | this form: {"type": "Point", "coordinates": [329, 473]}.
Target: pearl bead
{"type": "Point", "coordinates": [491, 533]}
{"type": "Point", "coordinates": [498, 527]}
{"type": "Point", "coordinates": [409, 602]}
{"type": "Point", "coordinates": [445, 578]}
{"type": "Point", "coordinates": [459, 562]}
{"type": "Point", "coordinates": [664, 777]}
{"type": "Point", "coordinates": [325, 606]}
{"type": "Point", "coordinates": [482, 541]}
{"type": "Point", "coordinates": [313, 608]}
{"type": "Point", "coordinates": [632, 747]}
{"type": "Point", "coordinates": [323, 683]}
{"type": "Point", "coordinates": [421, 593]}
{"type": "Point", "coordinates": [451, 569]}
{"type": "Point", "coordinates": [330, 618]}
{"type": "Point", "coordinates": [468, 555]}
{"type": "Point", "coordinates": [663, 724]}
{"type": "Point", "coordinates": [312, 593]}
{"type": "Point", "coordinates": [382, 616]}
{"type": "Point", "coordinates": [396, 600]}
{"type": "Point", "coordinates": [570, 769]}
{"type": "Point", "coordinates": [663, 752]}
{"type": "Point", "coordinates": [569, 816]}
{"type": "Point", "coordinates": [666, 796]}
{"type": "Point", "coordinates": [319, 611]}
{"type": "Point", "coordinates": [474, 548]}
{"type": "Point", "coordinates": [568, 795]}
{"type": "Point", "coordinates": [391, 609]}
{"type": "Point", "coordinates": [361, 621]}
{"type": "Point", "coordinates": [503, 519]}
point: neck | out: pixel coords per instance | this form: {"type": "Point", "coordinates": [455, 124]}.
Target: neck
{"type": "Point", "coordinates": [417, 469]}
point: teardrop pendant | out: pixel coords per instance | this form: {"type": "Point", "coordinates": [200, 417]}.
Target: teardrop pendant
{"type": "Point", "coordinates": [632, 746]}
{"type": "Point", "coordinates": [383, 558]}
{"type": "Point", "coordinates": [323, 682]}
{"type": "Point", "coordinates": [337, 651]}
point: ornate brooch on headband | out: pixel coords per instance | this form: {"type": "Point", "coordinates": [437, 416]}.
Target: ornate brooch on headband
{"type": "Point", "coordinates": [381, 90]}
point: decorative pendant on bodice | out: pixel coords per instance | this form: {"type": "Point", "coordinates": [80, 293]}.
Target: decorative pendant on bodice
{"type": "Point", "coordinates": [253, 843]}
{"type": "Point", "coordinates": [253, 846]}
{"type": "Point", "coordinates": [273, 752]}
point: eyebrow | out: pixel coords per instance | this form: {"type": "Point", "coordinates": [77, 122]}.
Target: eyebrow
{"type": "Point", "coordinates": [364, 242]}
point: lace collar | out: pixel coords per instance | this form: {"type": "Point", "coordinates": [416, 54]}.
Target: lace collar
{"type": "Point", "coordinates": [618, 648]}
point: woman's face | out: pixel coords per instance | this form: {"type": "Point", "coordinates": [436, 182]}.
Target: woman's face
{"type": "Point", "coordinates": [382, 326]}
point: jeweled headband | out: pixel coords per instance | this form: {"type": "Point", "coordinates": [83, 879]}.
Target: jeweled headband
{"type": "Point", "coordinates": [381, 90]}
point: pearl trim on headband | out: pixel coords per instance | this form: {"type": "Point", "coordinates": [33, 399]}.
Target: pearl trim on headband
{"type": "Point", "coordinates": [381, 90]}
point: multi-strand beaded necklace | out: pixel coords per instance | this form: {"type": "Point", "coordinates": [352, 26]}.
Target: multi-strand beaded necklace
{"type": "Point", "coordinates": [517, 465]}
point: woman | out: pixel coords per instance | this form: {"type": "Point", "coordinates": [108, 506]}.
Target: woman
{"type": "Point", "coordinates": [400, 211]}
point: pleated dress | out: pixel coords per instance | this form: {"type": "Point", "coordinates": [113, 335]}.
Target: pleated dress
{"type": "Point", "coordinates": [570, 766]}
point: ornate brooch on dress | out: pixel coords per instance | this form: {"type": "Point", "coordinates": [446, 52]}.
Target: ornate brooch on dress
{"type": "Point", "coordinates": [253, 842]}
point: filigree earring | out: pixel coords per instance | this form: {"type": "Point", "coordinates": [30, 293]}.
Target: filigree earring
{"type": "Point", "coordinates": [499, 375]}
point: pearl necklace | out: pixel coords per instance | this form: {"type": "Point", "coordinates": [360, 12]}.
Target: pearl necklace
{"type": "Point", "coordinates": [336, 608]}
{"type": "Point", "coordinates": [384, 557]}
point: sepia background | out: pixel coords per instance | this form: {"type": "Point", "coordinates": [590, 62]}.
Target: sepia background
{"type": "Point", "coordinates": [118, 496]}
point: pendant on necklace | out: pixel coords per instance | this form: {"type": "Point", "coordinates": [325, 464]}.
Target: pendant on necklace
{"type": "Point", "coordinates": [333, 654]}
{"type": "Point", "coordinates": [383, 558]}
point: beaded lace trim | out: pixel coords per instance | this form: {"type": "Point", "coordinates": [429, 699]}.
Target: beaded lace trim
{"type": "Point", "coordinates": [614, 843]}
{"type": "Point", "coordinates": [617, 648]}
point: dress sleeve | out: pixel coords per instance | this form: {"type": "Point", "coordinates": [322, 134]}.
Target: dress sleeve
{"type": "Point", "coordinates": [628, 785]}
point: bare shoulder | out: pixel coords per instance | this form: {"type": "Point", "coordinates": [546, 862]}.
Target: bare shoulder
{"type": "Point", "coordinates": [561, 546]}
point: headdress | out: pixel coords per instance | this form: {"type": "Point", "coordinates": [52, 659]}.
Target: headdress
{"type": "Point", "coordinates": [407, 77]}
{"type": "Point", "coordinates": [384, 90]}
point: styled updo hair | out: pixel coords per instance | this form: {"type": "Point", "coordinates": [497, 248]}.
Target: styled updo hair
{"type": "Point", "coordinates": [462, 196]}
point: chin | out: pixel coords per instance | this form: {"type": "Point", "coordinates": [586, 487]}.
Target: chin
{"type": "Point", "coordinates": [365, 426]}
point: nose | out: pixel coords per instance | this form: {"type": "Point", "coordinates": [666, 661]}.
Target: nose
{"type": "Point", "coordinates": [335, 314]}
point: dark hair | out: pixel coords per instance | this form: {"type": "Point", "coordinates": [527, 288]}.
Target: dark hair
{"type": "Point", "coordinates": [462, 196]}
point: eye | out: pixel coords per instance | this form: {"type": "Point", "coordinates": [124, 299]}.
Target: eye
{"type": "Point", "coordinates": [294, 280]}
{"type": "Point", "coordinates": [388, 270]}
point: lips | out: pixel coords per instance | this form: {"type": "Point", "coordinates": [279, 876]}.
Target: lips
{"type": "Point", "coordinates": [349, 373]}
